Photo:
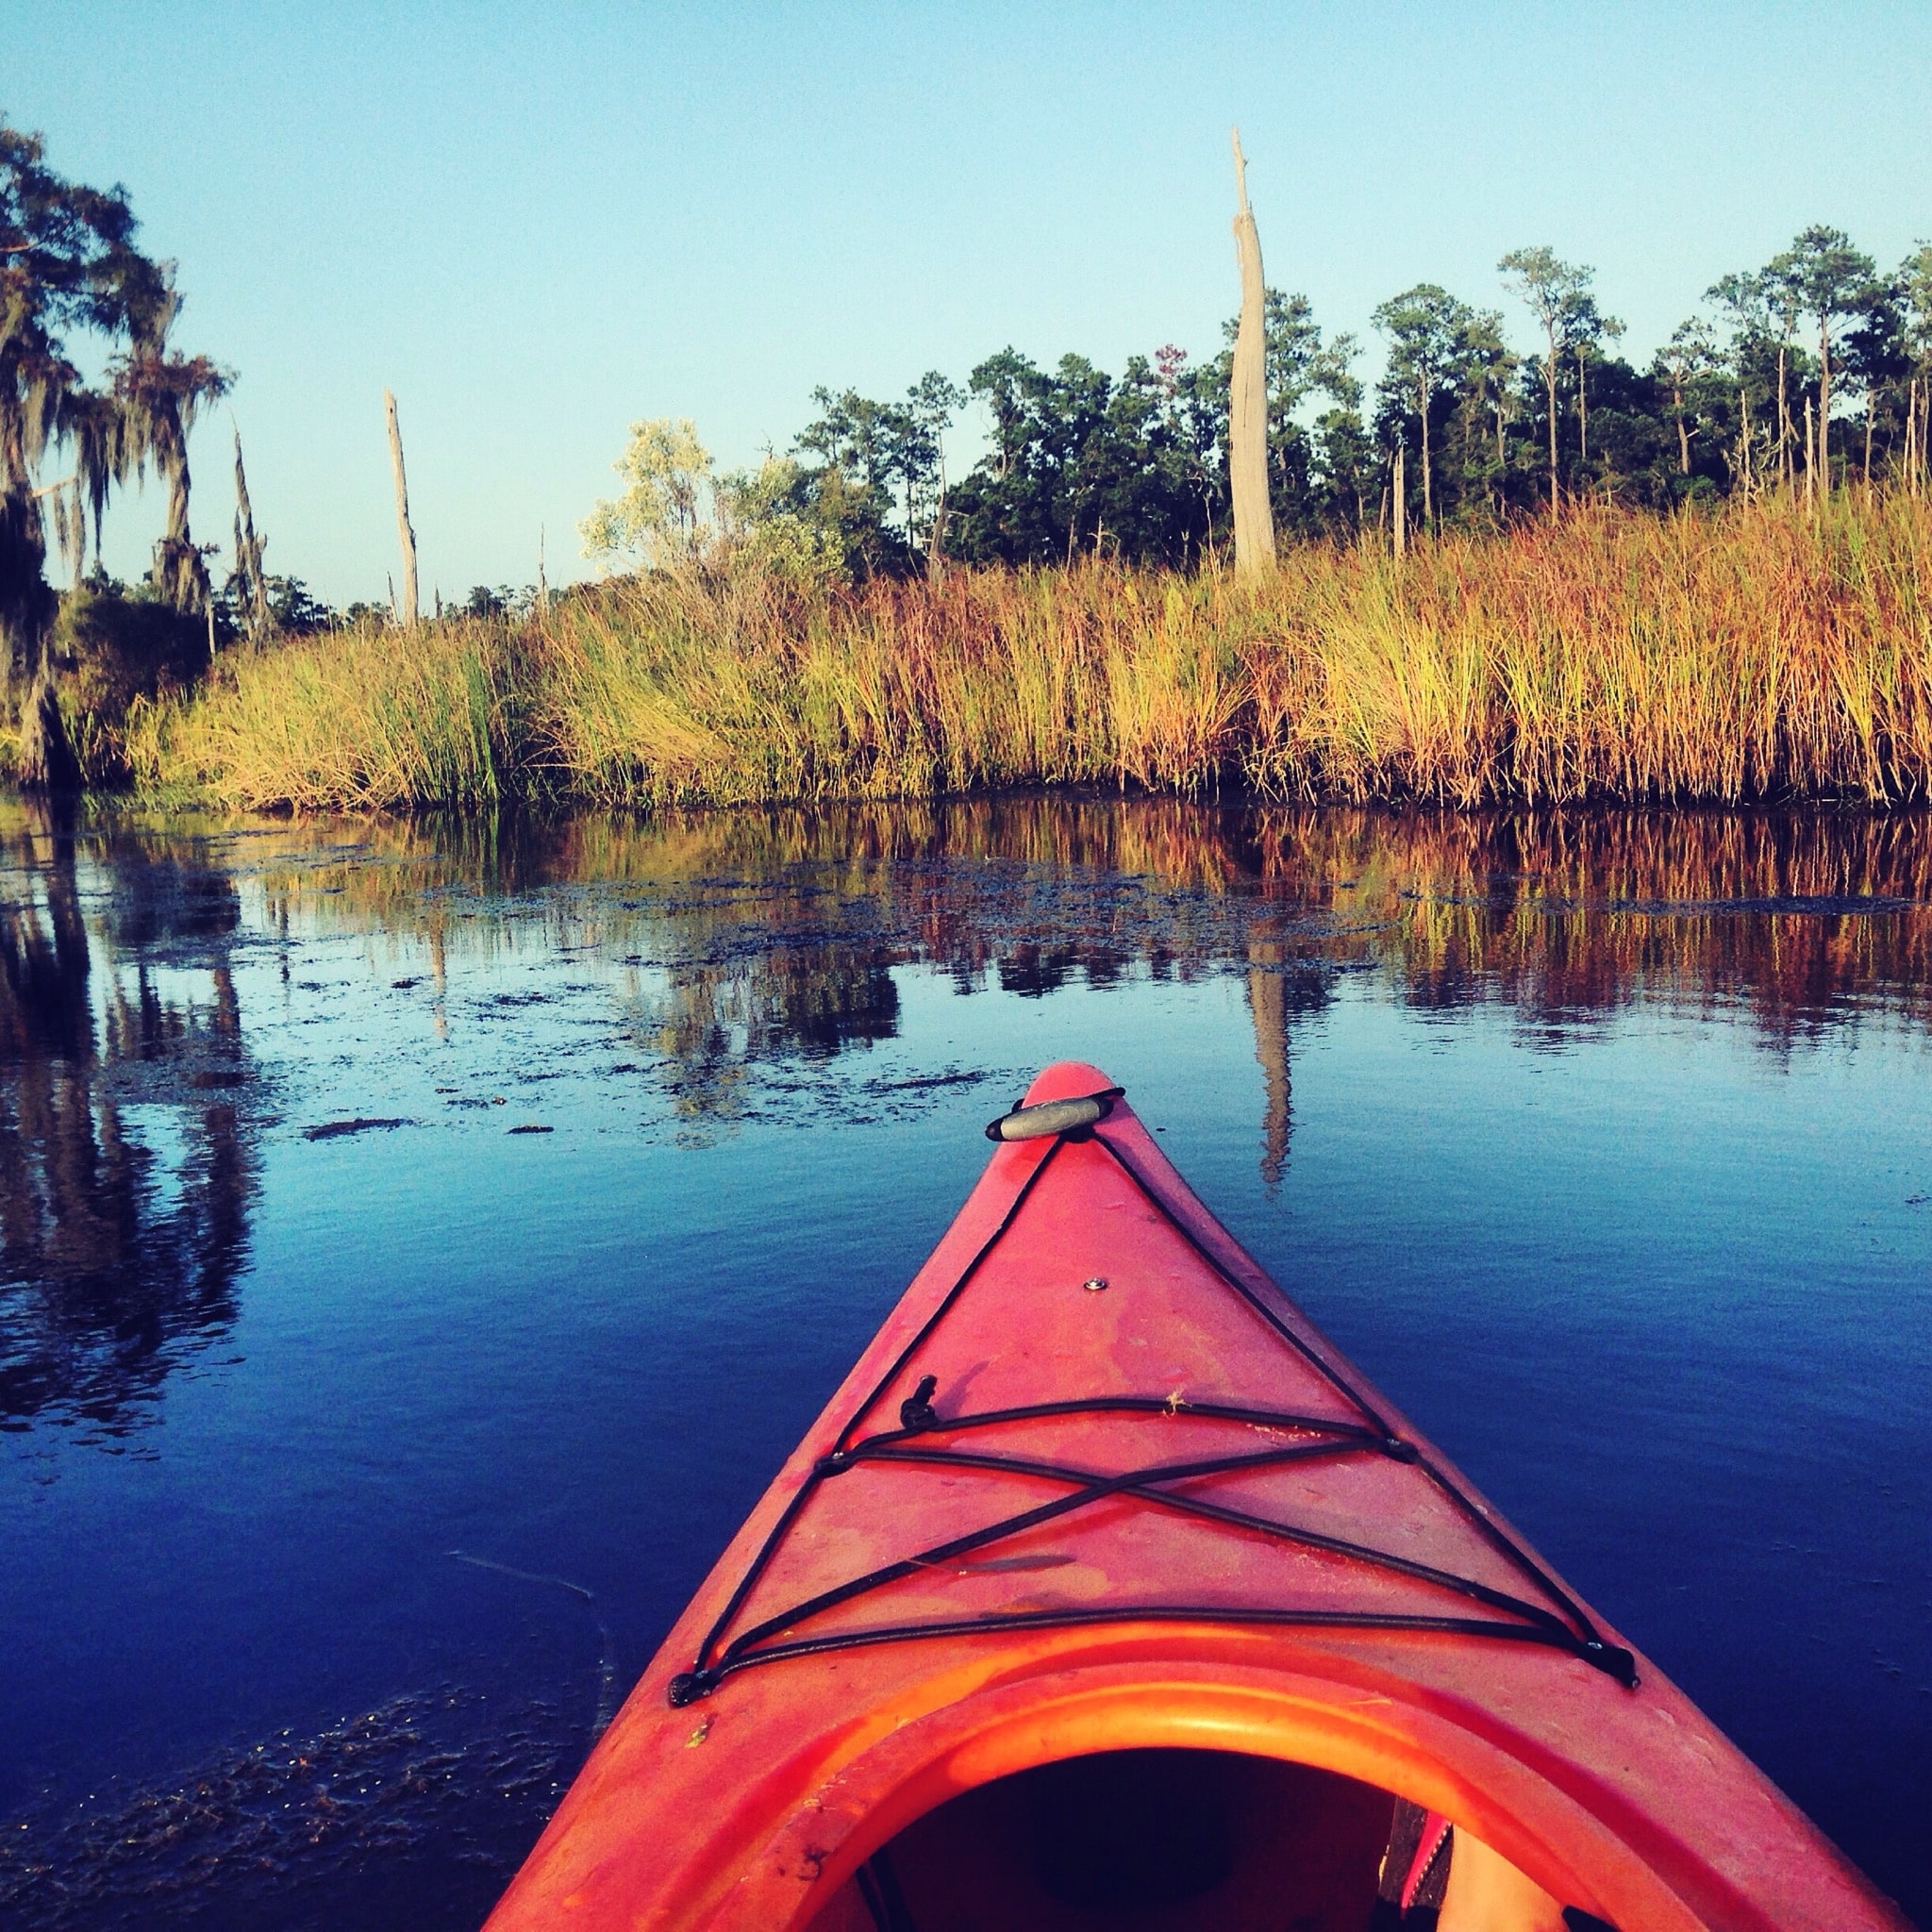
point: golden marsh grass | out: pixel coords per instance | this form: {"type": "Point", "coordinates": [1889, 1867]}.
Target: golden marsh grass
{"type": "Point", "coordinates": [1755, 654]}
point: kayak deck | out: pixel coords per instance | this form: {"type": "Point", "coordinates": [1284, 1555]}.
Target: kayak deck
{"type": "Point", "coordinates": [1098, 1490]}
{"type": "Point", "coordinates": [1229, 1416]}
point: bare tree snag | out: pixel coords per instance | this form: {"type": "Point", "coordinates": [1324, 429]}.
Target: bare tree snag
{"type": "Point", "coordinates": [1247, 410]}
{"type": "Point", "coordinates": [406, 613]}
{"type": "Point", "coordinates": [1428, 499]}
{"type": "Point", "coordinates": [256, 619]}
{"type": "Point", "coordinates": [543, 585]}
{"type": "Point", "coordinates": [1401, 501]}
{"type": "Point", "coordinates": [1823, 403]}
{"type": "Point", "coordinates": [1582, 411]}
{"type": "Point", "coordinates": [1784, 422]}
{"type": "Point", "coordinates": [1921, 418]}
{"type": "Point", "coordinates": [1912, 439]}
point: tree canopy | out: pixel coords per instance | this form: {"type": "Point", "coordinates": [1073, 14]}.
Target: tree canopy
{"type": "Point", "coordinates": [71, 273]}
{"type": "Point", "coordinates": [1078, 461]}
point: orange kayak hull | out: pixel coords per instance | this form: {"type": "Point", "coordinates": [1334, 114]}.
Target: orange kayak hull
{"type": "Point", "coordinates": [1098, 1485]}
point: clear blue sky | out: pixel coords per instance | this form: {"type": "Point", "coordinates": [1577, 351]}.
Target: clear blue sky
{"type": "Point", "coordinates": [538, 223]}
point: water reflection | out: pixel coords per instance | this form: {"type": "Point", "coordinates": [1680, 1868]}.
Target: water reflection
{"type": "Point", "coordinates": [466, 1344]}
{"type": "Point", "coordinates": [774, 935]}
{"type": "Point", "coordinates": [1281, 993]}
{"type": "Point", "coordinates": [1804, 918]}
{"type": "Point", "coordinates": [127, 1164]}
{"type": "Point", "coordinates": [714, 1022]}
{"type": "Point", "coordinates": [1560, 915]}
{"type": "Point", "coordinates": [744, 959]}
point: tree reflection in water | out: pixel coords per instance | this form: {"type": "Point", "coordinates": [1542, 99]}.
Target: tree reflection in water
{"type": "Point", "coordinates": [710, 971]}
{"type": "Point", "coordinates": [765, 939]}
{"type": "Point", "coordinates": [750, 952]}
{"type": "Point", "coordinates": [127, 1096]}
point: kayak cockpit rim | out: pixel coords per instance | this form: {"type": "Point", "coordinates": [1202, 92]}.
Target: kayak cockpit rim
{"type": "Point", "coordinates": [1103, 1705]}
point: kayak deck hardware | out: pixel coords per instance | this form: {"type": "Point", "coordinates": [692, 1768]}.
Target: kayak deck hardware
{"type": "Point", "coordinates": [916, 1412]}
{"type": "Point", "coordinates": [1068, 1119]}
{"type": "Point", "coordinates": [1557, 1622]}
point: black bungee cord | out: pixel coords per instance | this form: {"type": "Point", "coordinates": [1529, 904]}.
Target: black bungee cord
{"type": "Point", "coordinates": [1567, 1627]}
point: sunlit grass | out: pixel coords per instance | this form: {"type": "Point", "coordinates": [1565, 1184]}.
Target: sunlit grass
{"type": "Point", "coordinates": [1759, 653]}
{"type": "Point", "coordinates": [355, 719]}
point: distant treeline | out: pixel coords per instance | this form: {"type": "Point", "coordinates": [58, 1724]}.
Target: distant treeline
{"type": "Point", "coordinates": [1810, 372]}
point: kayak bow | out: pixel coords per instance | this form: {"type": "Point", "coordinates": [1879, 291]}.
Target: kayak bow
{"type": "Point", "coordinates": [1101, 1544]}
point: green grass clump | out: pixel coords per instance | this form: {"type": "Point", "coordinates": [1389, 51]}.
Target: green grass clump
{"type": "Point", "coordinates": [347, 719]}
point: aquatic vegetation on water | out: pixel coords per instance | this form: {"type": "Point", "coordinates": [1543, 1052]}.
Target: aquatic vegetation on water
{"type": "Point", "coordinates": [1752, 654]}
{"type": "Point", "coordinates": [714, 971]}
{"type": "Point", "coordinates": [301, 1830]}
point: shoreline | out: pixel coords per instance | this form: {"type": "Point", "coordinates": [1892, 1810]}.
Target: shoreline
{"type": "Point", "coordinates": [103, 804]}
{"type": "Point", "coordinates": [1763, 656]}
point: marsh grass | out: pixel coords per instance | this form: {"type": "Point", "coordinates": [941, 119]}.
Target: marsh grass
{"type": "Point", "coordinates": [1757, 654]}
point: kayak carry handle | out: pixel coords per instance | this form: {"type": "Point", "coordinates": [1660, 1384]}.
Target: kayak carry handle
{"type": "Point", "coordinates": [1054, 1117]}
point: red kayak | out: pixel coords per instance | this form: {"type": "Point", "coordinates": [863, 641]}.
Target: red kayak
{"type": "Point", "coordinates": [1107, 1592]}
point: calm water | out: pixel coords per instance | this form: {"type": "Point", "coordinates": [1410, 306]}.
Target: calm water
{"type": "Point", "coordinates": [359, 1447]}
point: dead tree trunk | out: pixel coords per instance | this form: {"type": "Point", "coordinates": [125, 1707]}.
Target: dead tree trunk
{"type": "Point", "coordinates": [256, 617]}
{"type": "Point", "coordinates": [1920, 417]}
{"type": "Point", "coordinates": [1550, 388]}
{"type": "Point", "coordinates": [1912, 439]}
{"type": "Point", "coordinates": [1502, 453]}
{"type": "Point", "coordinates": [1784, 423]}
{"type": "Point", "coordinates": [1400, 495]}
{"type": "Point", "coordinates": [406, 612]}
{"type": "Point", "coordinates": [1247, 412]}
{"type": "Point", "coordinates": [1823, 408]}
{"type": "Point", "coordinates": [1428, 497]}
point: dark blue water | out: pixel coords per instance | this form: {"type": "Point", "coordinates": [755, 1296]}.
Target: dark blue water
{"type": "Point", "coordinates": [348, 1474]}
